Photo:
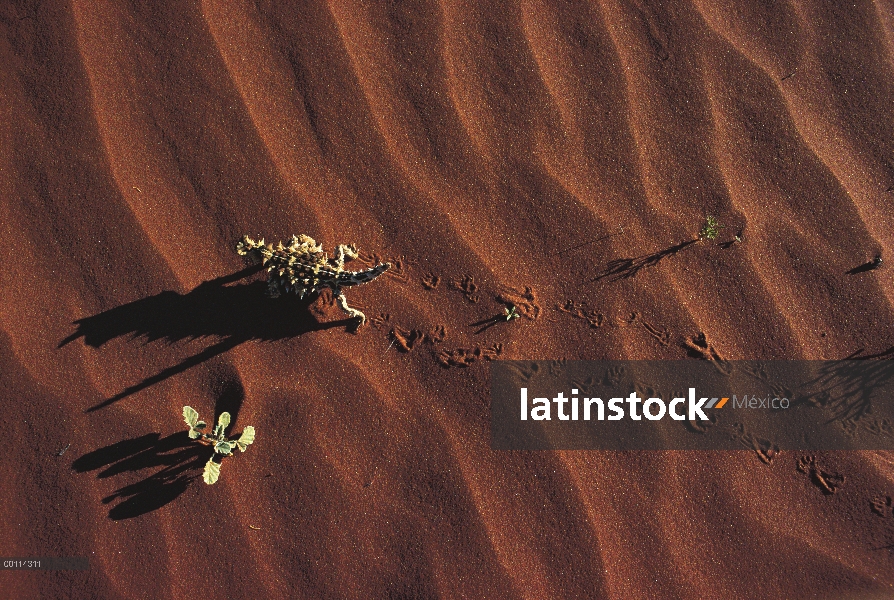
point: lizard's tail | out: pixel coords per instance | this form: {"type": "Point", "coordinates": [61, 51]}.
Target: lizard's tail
{"type": "Point", "coordinates": [348, 279]}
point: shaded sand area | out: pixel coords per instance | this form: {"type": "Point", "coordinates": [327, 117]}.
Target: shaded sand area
{"type": "Point", "coordinates": [557, 156]}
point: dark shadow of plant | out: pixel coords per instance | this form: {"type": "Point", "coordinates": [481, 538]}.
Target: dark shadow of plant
{"type": "Point", "coordinates": [871, 265]}
{"type": "Point", "coordinates": [846, 389]}
{"type": "Point", "coordinates": [625, 268]}
{"type": "Point", "coordinates": [181, 461]}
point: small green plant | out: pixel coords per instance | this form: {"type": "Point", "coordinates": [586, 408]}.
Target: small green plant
{"type": "Point", "coordinates": [511, 312]}
{"type": "Point", "coordinates": [710, 230]}
{"type": "Point", "coordinates": [217, 439]}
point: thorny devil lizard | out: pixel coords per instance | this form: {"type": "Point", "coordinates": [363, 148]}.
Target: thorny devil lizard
{"type": "Point", "coordinates": [303, 268]}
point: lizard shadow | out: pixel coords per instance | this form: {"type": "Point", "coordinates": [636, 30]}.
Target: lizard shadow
{"type": "Point", "coordinates": [233, 314]}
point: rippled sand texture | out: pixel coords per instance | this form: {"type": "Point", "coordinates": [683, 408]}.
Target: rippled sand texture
{"type": "Point", "coordinates": [556, 155]}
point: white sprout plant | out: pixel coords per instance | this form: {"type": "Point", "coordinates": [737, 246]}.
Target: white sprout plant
{"type": "Point", "coordinates": [217, 439]}
{"type": "Point", "coordinates": [511, 312]}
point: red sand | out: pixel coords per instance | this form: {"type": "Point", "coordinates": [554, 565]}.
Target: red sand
{"type": "Point", "coordinates": [483, 148]}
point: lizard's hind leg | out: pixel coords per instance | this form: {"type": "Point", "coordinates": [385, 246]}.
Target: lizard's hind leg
{"type": "Point", "coordinates": [343, 304]}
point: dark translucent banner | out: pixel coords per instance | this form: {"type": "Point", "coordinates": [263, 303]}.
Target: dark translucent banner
{"type": "Point", "coordinates": [766, 406]}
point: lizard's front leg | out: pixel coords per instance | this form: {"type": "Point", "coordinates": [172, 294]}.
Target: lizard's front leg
{"type": "Point", "coordinates": [344, 252]}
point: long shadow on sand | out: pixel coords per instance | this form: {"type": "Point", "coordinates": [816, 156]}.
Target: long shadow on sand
{"type": "Point", "coordinates": [847, 387]}
{"type": "Point", "coordinates": [871, 265]}
{"type": "Point", "coordinates": [181, 459]}
{"type": "Point", "coordinates": [625, 268]}
{"type": "Point", "coordinates": [235, 314]}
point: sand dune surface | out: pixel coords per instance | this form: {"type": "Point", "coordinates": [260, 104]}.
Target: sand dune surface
{"type": "Point", "coordinates": [558, 156]}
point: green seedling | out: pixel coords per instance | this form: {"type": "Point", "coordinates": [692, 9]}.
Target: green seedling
{"type": "Point", "coordinates": [511, 312]}
{"type": "Point", "coordinates": [710, 230]}
{"type": "Point", "coordinates": [217, 439]}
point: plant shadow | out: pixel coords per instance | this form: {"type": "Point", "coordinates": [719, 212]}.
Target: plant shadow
{"type": "Point", "coordinates": [232, 313]}
{"type": "Point", "coordinates": [625, 268]}
{"type": "Point", "coordinates": [486, 324]}
{"type": "Point", "coordinates": [870, 265]}
{"type": "Point", "coordinates": [847, 387]}
{"type": "Point", "coordinates": [181, 460]}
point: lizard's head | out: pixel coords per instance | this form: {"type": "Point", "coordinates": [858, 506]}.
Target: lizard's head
{"type": "Point", "coordinates": [304, 244]}
{"type": "Point", "coordinates": [256, 250]}
{"type": "Point", "coordinates": [246, 245]}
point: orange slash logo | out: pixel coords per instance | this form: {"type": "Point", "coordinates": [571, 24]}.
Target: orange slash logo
{"type": "Point", "coordinates": [715, 404]}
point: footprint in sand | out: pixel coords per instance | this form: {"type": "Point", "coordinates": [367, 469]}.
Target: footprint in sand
{"type": "Point", "coordinates": [593, 318]}
{"type": "Point", "coordinates": [699, 426]}
{"type": "Point", "coordinates": [406, 339]}
{"type": "Point", "coordinates": [430, 281]}
{"type": "Point", "coordinates": [468, 287]}
{"type": "Point", "coordinates": [654, 32]}
{"type": "Point", "coordinates": [644, 390]}
{"type": "Point", "coordinates": [437, 333]}
{"type": "Point", "coordinates": [526, 373]}
{"type": "Point", "coordinates": [828, 481]}
{"type": "Point", "coordinates": [699, 347]}
{"type": "Point", "coordinates": [463, 357]}
{"type": "Point", "coordinates": [399, 265]}
{"type": "Point", "coordinates": [883, 506]}
{"type": "Point", "coordinates": [381, 321]}
{"type": "Point", "coordinates": [584, 385]}
{"type": "Point", "coordinates": [777, 389]}
{"type": "Point", "coordinates": [557, 367]}
{"type": "Point", "coordinates": [663, 336]}
{"type": "Point", "coordinates": [765, 449]}
{"type": "Point", "coordinates": [613, 377]}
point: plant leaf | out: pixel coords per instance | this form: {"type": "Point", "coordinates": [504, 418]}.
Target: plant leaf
{"type": "Point", "coordinates": [224, 447]}
{"type": "Point", "coordinates": [190, 415]}
{"type": "Point", "coordinates": [212, 472]}
{"type": "Point", "coordinates": [247, 437]}
{"type": "Point", "coordinates": [223, 420]}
